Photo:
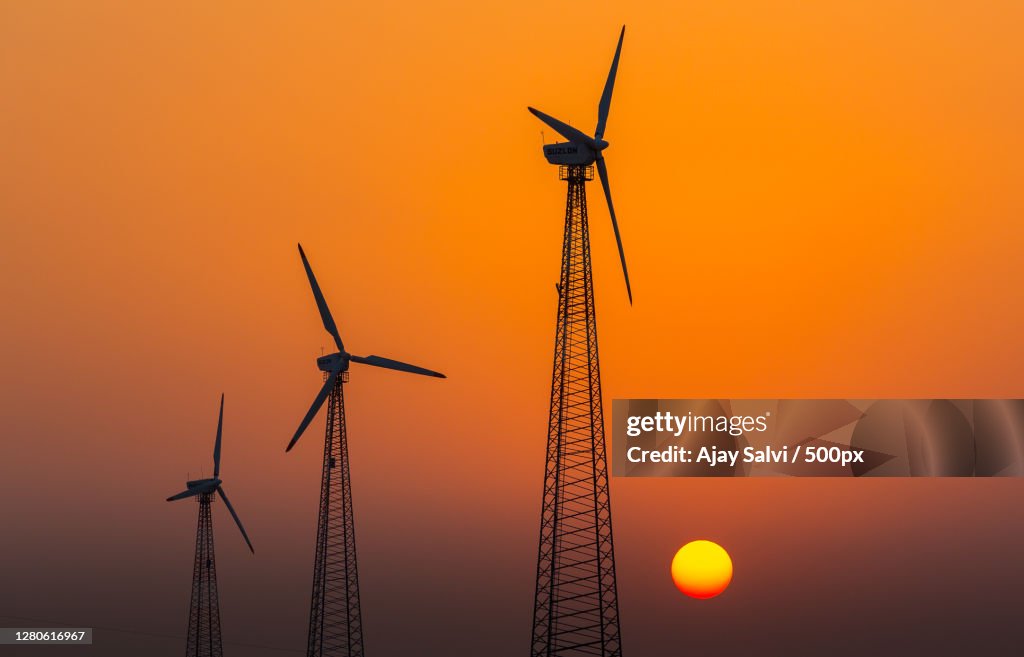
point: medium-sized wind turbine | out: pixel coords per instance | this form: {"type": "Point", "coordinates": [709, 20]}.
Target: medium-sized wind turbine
{"type": "Point", "coordinates": [336, 363]}
{"type": "Point", "coordinates": [583, 150]}
{"type": "Point", "coordinates": [204, 638]}
{"type": "Point", "coordinates": [335, 617]}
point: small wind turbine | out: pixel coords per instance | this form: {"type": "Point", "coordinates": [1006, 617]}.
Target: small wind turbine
{"type": "Point", "coordinates": [212, 485]}
{"type": "Point", "coordinates": [204, 637]}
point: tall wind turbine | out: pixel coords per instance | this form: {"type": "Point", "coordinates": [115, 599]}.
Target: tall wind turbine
{"type": "Point", "coordinates": [335, 620]}
{"type": "Point", "coordinates": [576, 610]}
{"type": "Point", "coordinates": [204, 638]}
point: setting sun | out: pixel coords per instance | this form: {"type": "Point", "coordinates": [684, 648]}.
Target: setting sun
{"type": "Point", "coordinates": [702, 569]}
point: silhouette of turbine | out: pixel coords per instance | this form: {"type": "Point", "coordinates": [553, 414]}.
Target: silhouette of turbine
{"type": "Point", "coordinates": [204, 638]}
{"type": "Point", "coordinates": [335, 620]}
{"type": "Point", "coordinates": [576, 609]}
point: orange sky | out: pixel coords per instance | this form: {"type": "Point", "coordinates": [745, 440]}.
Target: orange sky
{"type": "Point", "coordinates": [816, 199]}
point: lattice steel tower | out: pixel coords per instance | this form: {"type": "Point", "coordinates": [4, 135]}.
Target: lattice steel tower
{"type": "Point", "coordinates": [335, 619]}
{"type": "Point", "coordinates": [204, 638]}
{"type": "Point", "coordinates": [204, 611]}
{"type": "Point", "coordinates": [576, 608]}
{"type": "Point", "coordinates": [335, 616]}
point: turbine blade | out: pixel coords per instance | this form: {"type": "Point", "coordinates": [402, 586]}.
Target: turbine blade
{"type": "Point", "coordinates": [564, 129]}
{"type": "Point", "coordinates": [227, 503]}
{"type": "Point", "coordinates": [216, 445]}
{"type": "Point", "coordinates": [321, 303]}
{"type": "Point", "coordinates": [311, 413]}
{"type": "Point", "coordinates": [606, 96]}
{"type": "Point", "coordinates": [602, 170]}
{"type": "Point", "coordinates": [183, 494]}
{"type": "Point", "coordinates": [379, 361]}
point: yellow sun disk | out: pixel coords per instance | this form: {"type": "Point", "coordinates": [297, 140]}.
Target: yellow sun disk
{"type": "Point", "coordinates": [701, 569]}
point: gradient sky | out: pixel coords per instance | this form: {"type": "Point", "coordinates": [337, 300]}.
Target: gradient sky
{"type": "Point", "coordinates": [816, 199]}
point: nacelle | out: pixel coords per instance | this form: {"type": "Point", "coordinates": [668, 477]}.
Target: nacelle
{"type": "Point", "coordinates": [569, 152]}
{"type": "Point", "coordinates": [331, 362]}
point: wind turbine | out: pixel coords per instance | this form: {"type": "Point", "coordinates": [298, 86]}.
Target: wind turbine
{"type": "Point", "coordinates": [583, 150]}
{"type": "Point", "coordinates": [576, 607]}
{"type": "Point", "coordinates": [204, 637]}
{"type": "Point", "coordinates": [335, 619]}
